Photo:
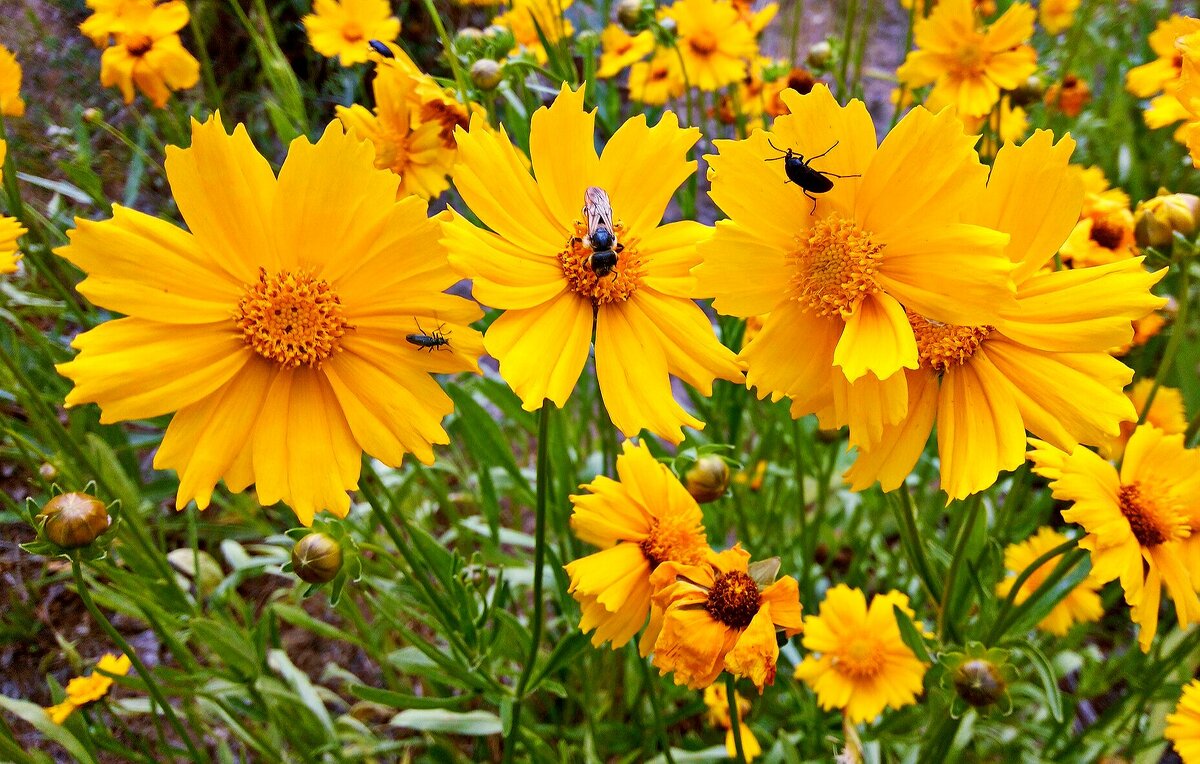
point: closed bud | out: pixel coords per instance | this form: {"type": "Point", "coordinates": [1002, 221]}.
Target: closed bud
{"type": "Point", "coordinates": [819, 55]}
{"type": "Point", "coordinates": [92, 114]}
{"type": "Point", "coordinates": [317, 558]}
{"type": "Point", "coordinates": [1157, 220]}
{"type": "Point", "coordinates": [629, 13]}
{"type": "Point", "coordinates": [979, 682]}
{"type": "Point", "coordinates": [486, 74]}
{"type": "Point", "coordinates": [73, 520]}
{"type": "Point", "coordinates": [708, 479]}
{"type": "Point", "coordinates": [48, 471]}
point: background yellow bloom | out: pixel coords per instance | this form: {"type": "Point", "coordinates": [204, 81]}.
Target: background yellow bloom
{"type": "Point", "coordinates": [1080, 605]}
{"type": "Point", "coordinates": [148, 54]}
{"type": "Point", "coordinates": [344, 28]}
{"type": "Point", "coordinates": [714, 42]}
{"type": "Point", "coordinates": [11, 103]}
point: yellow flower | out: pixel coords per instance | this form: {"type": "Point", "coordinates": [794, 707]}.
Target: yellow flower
{"type": "Point", "coordinates": [799, 79]}
{"type": "Point", "coordinates": [1098, 194]}
{"type": "Point", "coordinates": [1136, 519]}
{"type": "Point", "coordinates": [1029, 369]}
{"type": "Point", "coordinates": [11, 104]}
{"type": "Point", "coordinates": [526, 17]}
{"type": "Point", "coordinates": [1166, 413]}
{"type": "Point", "coordinates": [1057, 15]}
{"type": "Point", "coordinates": [1080, 605]}
{"type": "Point", "coordinates": [970, 65]}
{"type": "Point", "coordinates": [1100, 237]}
{"type": "Point", "coordinates": [288, 404]}
{"type": "Point", "coordinates": [641, 521]}
{"type": "Point", "coordinates": [1158, 75]}
{"type": "Point", "coordinates": [658, 80]}
{"type": "Point", "coordinates": [1183, 726]}
{"type": "Point", "coordinates": [87, 689]}
{"type": "Point", "coordinates": [721, 615]}
{"type": "Point", "coordinates": [621, 49]}
{"type": "Point", "coordinates": [717, 700]}
{"type": "Point", "coordinates": [107, 16]}
{"type": "Point", "coordinates": [148, 53]}
{"type": "Point", "coordinates": [344, 28]}
{"type": "Point", "coordinates": [837, 276]}
{"type": "Point", "coordinates": [714, 42]}
{"type": "Point", "coordinates": [1013, 123]}
{"type": "Point", "coordinates": [758, 20]}
{"type": "Point", "coordinates": [861, 664]}
{"type": "Point", "coordinates": [1189, 94]}
{"type": "Point", "coordinates": [440, 105]}
{"type": "Point", "coordinates": [412, 149]}
{"type": "Point", "coordinates": [536, 266]}
{"type": "Point", "coordinates": [10, 229]}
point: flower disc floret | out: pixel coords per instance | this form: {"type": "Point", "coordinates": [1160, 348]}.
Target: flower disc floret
{"type": "Point", "coordinates": [293, 319]}
{"type": "Point", "coordinates": [672, 537]}
{"type": "Point", "coordinates": [863, 657]}
{"type": "Point", "coordinates": [836, 264]}
{"type": "Point", "coordinates": [944, 346]}
{"type": "Point", "coordinates": [1144, 521]}
{"type": "Point", "coordinates": [734, 599]}
{"type": "Point", "coordinates": [617, 286]}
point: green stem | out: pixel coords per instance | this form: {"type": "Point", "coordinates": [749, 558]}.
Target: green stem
{"type": "Point", "coordinates": [211, 89]}
{"type": "Point", "coordinates": [460, 77]}
{"type": "Point", "coordinates": [847, 41]}
{"type": "Point", "coordinates": [964, 536]}
{"type": "Point", "coordinates": [798, 467]}
{"type": "Point", "coordinates": [999, 624]}
{"type": "Point", "coordinates": [143, 672]}
{"type": "Point", "coordinates": [539, 558]}
{"type": "Point", "coordinates": [794, 46]}
{"type": "Point", "coordinates": [735, 721]}
{"type": "Point", "coordinates": [911, 538]}
{"type": "Point", "coordinates": [656, 706]}
{"type": "Point", "coordinates": [1173, 344]}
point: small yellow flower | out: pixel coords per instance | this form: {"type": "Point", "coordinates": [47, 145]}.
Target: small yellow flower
{"type": "Point", "coordinates": [274, 326]}
{"type": "Point", "coordinates": [714, 43]}
{"type": "Point", "coordinates": [1160, 74]}
{"type": "Point", "coordinates": [860, 662]}
{"type": "Point", "coordinates": [10, 229]}
{"type": "Point", "coordinates": [1183, 726]}
{"type": "Point", "coordinates": [149, 54]}
{"type": "Point", "coordinates": [404, 144]}
{"type": "Point", "coordinates": [87, 689]}
{"type": "Point", "coordinates": [11, 104]}
{"type": "Point", "coordinates": [1057, 15]}
{"type": "Point", "coordinates": [1188, 94]}
{"type": "Point", "coordinates": [720, 616]}
{"type": "Point", "coordinates": [969, 63]}
{"type": "Point", "coordinates": [1080, 605]}
{"type": "Point", "coordinates": [1137, 520]}
{"type": "Point", "coordinates": [536, 266]}
{"type": "Point", "coordinates": [1101, 236]}
{"type": "Point", "coordinates": [717, 700]}
{"type": "Point", "coordinates": [621, 49]}
{"type": "Point", "coordinates": [641, 521]}
{"type": "Point", "coordinates": [658, 80]}
{"type": "Point", "coordinates": [107, 18]}
{"type": "Point", "coordinates": [345, 28]}
{"type": "Point", "coordinates": [526, 17]}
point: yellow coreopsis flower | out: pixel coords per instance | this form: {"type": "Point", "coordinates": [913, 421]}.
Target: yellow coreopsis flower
{"type": "Point", "coordinates": [1028, 369]}
{"type": "Point", "coordinates": [106, 18]}
{"type": "Point", "coordinates": [658, 80]}
{"type": "Point", "coordinates": [345, 28]}
{"type": "Point", "coordinates": [537, 264]}
{"type": "Point", "coordinates": [717, 700]}
{"type": "Point", "coordinates": [412, 149]}
{"type": "Point", "coordinates": [275, 326]}
{"type": "Point", "coordinates": [1057, 15]}
{"type": "Point", "coordinates": [723, 615]}
{"type": "Point", "coordinates": [10, 229]}
{"type": "Point", "coordinates": [1166, 413]}
{"type": "Point", "coordinates": [1188, 94]}
{"type": "Point", "coordinates": [11, 103]}
{"type": "Point", "coordinates": [149, 54]}
{"type": "Point", "coordinates": [1103, 235]}
{"type": "Point", "coordinates": [714, 43]}
{"type": "Point", "coordinates": [1137, 519]}
{"type": "Point", "coordinates": [1161, 74]}
{"type": "Point", "coordinates": [621, 49]}
{"type": "Point", "coordinates": [836, 274]}
{"type": "Point", "coordinates": [1080, 605]}
{"type": "Point", "coordinates": [526, 17]}
{"type": "Point", "coordinates": [861, 664]}
{"type": "Point", "coordinates": [1183, 725]}
{"type": "Point", "coordinates": [970, 64]}
{"type": "Point", "coordinates": [642, 520]}
{"type": "Point", "coordinates": [87, 689]}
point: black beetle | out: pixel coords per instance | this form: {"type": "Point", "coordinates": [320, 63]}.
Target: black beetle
{"type": "Point", "coordinates": [435, 340]}
{"type": "Point", "coordinates": [381, 48]}
{"type": "Point", "coordinates": [803, 174]}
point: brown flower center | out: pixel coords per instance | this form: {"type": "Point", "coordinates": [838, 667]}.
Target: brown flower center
{"type": "Point", "coordinates": [734, 599]}
{"type": "Point", "coordinates": [835, 264]}
{"type": "Point", "coordinates": [291, 318]}
{"type": "Point", "coordinates": [943, 346]}
{"type": "Point", "coordinates": [615, 286]}
{"type": "Point", "coordinates": [138, 44]}
{"type": "Point", "coordinates": [703, 43]}
{"type": "Point", "coordinates": [1108, 233]}
{"type": "Point", "coordinates": [1144, 518]}
{"type": "Point", "coordinates": [861, 657]}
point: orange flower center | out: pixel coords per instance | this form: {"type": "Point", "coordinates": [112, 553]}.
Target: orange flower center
{"type": "Point", "coordinates": [703, 43]}
{"type": "Point", "coordinates": [836, 262]}
{"type": "Point", "coordinates": [734, 599]}
{"type": "Point", "coordinates": [1145, 519]}
{"type": "Point", "coordinates": [615, 286]}
{"type": "Point", "coordinates": [352, 31]}
{"type": "Point", "coordinates": [673, 541]}
{"type": "Point", "coordinates": [943, 346]}
{"type": "Point", "coordinates": [861, 657]}
{"type": "Point", "coordinates": [138, 44]}
{"type": "Point", "coordinates": [292, 319]}
{"type": "Point", "coordinates": [970, 56]}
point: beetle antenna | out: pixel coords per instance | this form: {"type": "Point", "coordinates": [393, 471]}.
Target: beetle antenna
{"type": "Point", "coordinates": [418, 322]}
{"type": "Point", "coordinates": [831, 148]}
{"type": "Point", "coordinates": [772, 145]}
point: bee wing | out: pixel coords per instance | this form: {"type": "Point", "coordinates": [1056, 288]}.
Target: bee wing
{"type": "Point", "coordinates": [597, 209]}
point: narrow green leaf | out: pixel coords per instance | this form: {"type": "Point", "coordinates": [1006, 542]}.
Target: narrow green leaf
{"type": "Point", "coordinates": [36, 716]}
{"type": "Point", "coordinates": [911, 636]}
{"type": "Point", "coordinates": [402, 700]}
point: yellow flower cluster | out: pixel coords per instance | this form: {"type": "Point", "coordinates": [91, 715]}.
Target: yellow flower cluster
{"type": "Point", "coordinates": [88, 689]}
{"type": "Point", "coordinates": [10, 229]}
{"type": "Point", "coordinates": [143, 47]}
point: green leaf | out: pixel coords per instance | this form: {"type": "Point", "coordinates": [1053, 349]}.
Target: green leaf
{"type": "Point", "coordinates": [298, 617]}
{"type": "Point", "coordinates": [37, 717]}
{"type": "Point", "coordinates": [911, 636]}
{"type": "Point", "coordinates": [1045, 671]}
{"type": "Point", "coordinates": [281, 664]}
{"type": "Point", "coordinates": [403, 700]}
{"type": "Point", "coordinates": [473, 723]}
{"type": "Point", "coordinates": [230, 646]}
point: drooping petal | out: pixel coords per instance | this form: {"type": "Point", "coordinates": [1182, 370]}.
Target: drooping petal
{"type": "Point", "coordinates": [686, 336]}
{"type": "Point", "coordinates": [891, 458]}
{"type": "Point", "coordinates": [793, 355]}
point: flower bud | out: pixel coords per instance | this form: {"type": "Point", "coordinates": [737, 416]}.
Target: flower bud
{"type": "Point", "coordinates": [668, 24]}
{"type": "Point", "coordinates": [708, 479]}
{"type": "Point", "coordinates": [629, 13]}
{"type": "Point", "coordinates": [92, 114]}
{"type": "Point", "coordinates": [486, 74]}
{"type": "Point", "coordinates": [1156, 220]}
{"type": "Point", "coordinates": [819, 55]}
{"type": "Point", "coordinates": [48, 471]}
{"type": "Point", "coordinates": [72, 520]}
{"type": "Point", "coordinates": [1028, 92]}
{"type": "Point", "coordinates": [979, 682]}
{"type": "Point", "coordinates": [317, 558]}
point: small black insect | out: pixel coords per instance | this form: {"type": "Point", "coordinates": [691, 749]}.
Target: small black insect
{"type": "Point", "coordinates": [435, 340]}
{"type": "Point", "coordinates": [597, 209]}
{"type": "Point", "coordinates": [381, 48]}
{"type": "Point", "coordinates": [803, 174]}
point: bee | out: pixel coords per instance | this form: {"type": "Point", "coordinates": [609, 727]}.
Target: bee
{"type": "Point", "coordinates": [435, 340]}
{"type": "Point", "coordinates": [597, 211]}
{"type": "Point", "coordinates": [803, 174]}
